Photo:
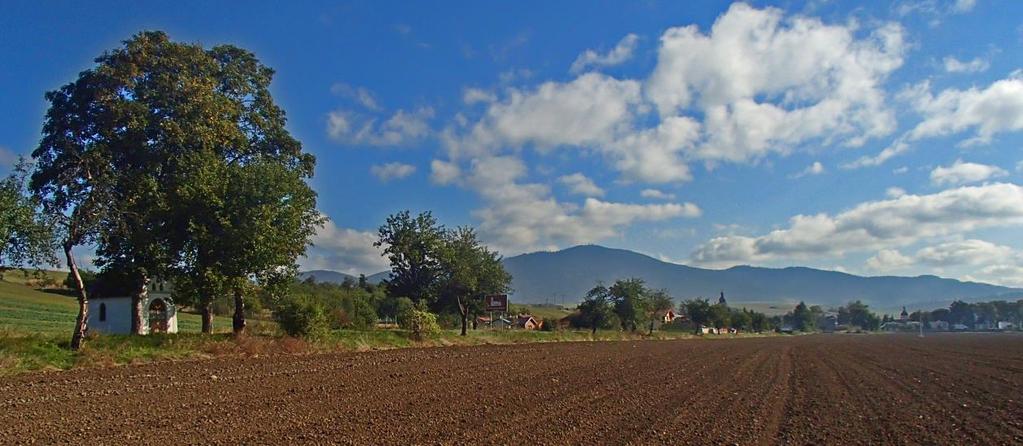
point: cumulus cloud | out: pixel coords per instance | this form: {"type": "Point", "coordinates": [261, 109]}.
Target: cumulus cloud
{"type": "Point", "coordinates": [964, 173]}
{"type": "Point", "coordinates": [953, 65]}
{"type": "Point", "coordinates": [656, 194]}
{"type": "Point", "coordinates": [887, 260]}
{"type": "Point", "coordinates": [443, 172]}
{"type": "Point", "coordinates": [758, 82]}
{"type": "Point", "coordinates": [765, 82]}
{"type": "Point", "coordinates": [521, 216]}
{"type": "Point", "coordinates": [392, 171]}
{"type": "Point", "coordinates": [998, 108]}
{"type": "Point", "coordinates": [400, 129]}
{"type": "Point", "coordinates": [579, 184]}
{"type": "Point", "coordinates": [874, 225]}
{"type": "Point", "coordinates": [346, 250]}
{"type": "Point", "coordinates": [621, 53]}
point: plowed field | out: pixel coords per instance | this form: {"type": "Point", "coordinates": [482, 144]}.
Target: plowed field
{"type": "Point", "coordinates": [821, 389]}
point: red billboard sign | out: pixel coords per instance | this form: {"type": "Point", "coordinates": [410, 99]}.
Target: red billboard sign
{"type": "Point", "coordinates": [496, 302]}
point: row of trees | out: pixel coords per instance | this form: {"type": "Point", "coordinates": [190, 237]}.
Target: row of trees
{"type": "Point", "coordinates": [809, 318]}
{"type": "Point", "coordinates": [173, 161]}
{"type": "Point", "coordinates": [629, 304]}
{"type": "Point", "coordinates": [444, 270]}
{"type": "Point", "coordinates": [971, 314]}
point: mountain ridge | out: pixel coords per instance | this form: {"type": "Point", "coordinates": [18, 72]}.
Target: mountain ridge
{"type": "Point", "coordinates": [564, 276]}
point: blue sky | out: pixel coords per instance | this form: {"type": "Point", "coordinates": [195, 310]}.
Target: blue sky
{"type": "Point", "coordinates": [880, 139]}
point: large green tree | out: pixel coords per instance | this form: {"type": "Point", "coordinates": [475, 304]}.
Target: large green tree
{"type": "Point", "coordinates": [413, 246]}
{"type": "Point", "coordinates": [469, 270]}
{"type": "Point", "coordinates": [73, 178]}
{"type": "Point", "coordinates": [166, 127]}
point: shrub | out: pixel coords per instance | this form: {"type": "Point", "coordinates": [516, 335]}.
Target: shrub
{"type": "Point", "coordinates": [403, 312]}
{"type": "Point", "coordinates": [423, 323]}
{"type": "Point", "coordinates": [301, 317]}
{"type": "Point", "coordinates": [549, 324]}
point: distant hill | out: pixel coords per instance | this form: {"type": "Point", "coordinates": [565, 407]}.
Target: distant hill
{"type": "Point", "coordinates": [322, 275]}
{"type": "Point", "coordinates": [565, 276]}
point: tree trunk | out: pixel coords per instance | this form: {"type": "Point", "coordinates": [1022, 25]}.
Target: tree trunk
{"type": "Point", "coordinates": [141, 291]}
{"type": "Point", "coordinates": [464, 310]}
{"type": "Point", "coordinates": [207, 318]}
{"type": "Point", "coordinates": [239, 312]}
{"type": "Point", "coordinates": [651, 327]}
{"type": "Point", "coordinates": [81, 324]}
{"type": "Point", "coordinates": [593, 330]}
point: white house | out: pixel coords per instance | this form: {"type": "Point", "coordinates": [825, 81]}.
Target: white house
{"type": "Point", "coordinates": [113, 314]}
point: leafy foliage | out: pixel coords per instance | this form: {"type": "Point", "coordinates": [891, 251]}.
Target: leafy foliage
{"type": "Point", "coordinates": [25, 235]}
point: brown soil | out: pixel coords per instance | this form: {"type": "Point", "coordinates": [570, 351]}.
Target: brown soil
{"type": "Point", "coordinates": [822, 389]}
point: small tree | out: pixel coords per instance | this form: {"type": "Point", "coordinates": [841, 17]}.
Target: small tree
{"type": "Point", "coordinates": [630, 302]}
{"type": "Point", "coordinates": [25, 235]}
{"type": "Point", "coordinates": [802, 318]}
{"type": "Point", "coordinates": [468, 272]}
{"type": "Point", "coordinates": [698, 311]}
{"type": "Point", "coordinates": [659, 304]}
{"type": "Point", "coordinates": [596, 310]}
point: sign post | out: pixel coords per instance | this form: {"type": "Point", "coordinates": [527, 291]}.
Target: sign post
{"type": "Point", "coordinates": [495, 302]}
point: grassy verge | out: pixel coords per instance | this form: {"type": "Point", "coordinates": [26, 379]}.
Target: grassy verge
{"type": "Point", "coordinates": [20, 352]}
{"type": "Point", "coordinates": [35, 329]}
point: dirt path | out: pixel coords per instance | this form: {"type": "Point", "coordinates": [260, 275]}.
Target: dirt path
{"type": "Point", "coordinates": [838, 389]}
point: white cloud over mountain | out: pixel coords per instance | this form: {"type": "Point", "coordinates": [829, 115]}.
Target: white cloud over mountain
{"type": "Point", "coordinates": [875, 225]}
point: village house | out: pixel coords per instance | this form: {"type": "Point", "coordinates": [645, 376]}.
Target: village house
{"type": "Point", "coordinates": [527, 322]}
{"type": "Point", "coordinates": [112, 313]}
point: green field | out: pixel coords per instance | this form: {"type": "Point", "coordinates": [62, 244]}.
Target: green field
{"type": "Point", "coordinates": [30, 311]}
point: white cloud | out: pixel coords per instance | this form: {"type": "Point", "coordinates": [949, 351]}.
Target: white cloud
{"type": "Point", "coordinates": [519, 216]}
{"type": "Point", "coordinates": [813, 169]}
{"type": "Point", "coordinates": [964, 252]}
{"type": "Point", "coordinates": [989, 111]}
{"type": "Point", "coordinates": [895, 149]}
{"type": "Point", "coordinates": [361, 95]}
{"type": "Point", "coordinates": [7, 157]}
{"type": "Point", "coordinates": [621, 53]}
{"type": "Point", "coordinates": [392, 171]}
{"type": "Point", "coordinates": [900, 170]}
{"type": "Point", "coordinates": [963, 5]}
{"type": "Point", "coordinates": [965, 173]}
{"type": "Point", "coordinates": [989, 262]}
{"type": "Point", "coordinates": [888, 260]}
{"type": "Point", "coordinates": [757, 83]}
{"type": "Point", "coordinates": [874, 225]}
{"type": "Point", "coordinates": [766, 82]}
{"type": "Point", "coordinates": [953, 65]}
{"type": "Point", "coordinates": [894, 192]}
{"type": "Point", "coordinates": [656, 194]}
{"type": "Point", "coordinates": [400, 129]}
{"type": "Point", "coordinates": [442, 172]}
{"type": "Point", "coordinates": [472, 96]}
{"type": "Point", "coordinates": [346, 250]}
{"type": "Point", "coordinates": [579, 184]}
{"type": "Point", "coordinates": [1019, 166]}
